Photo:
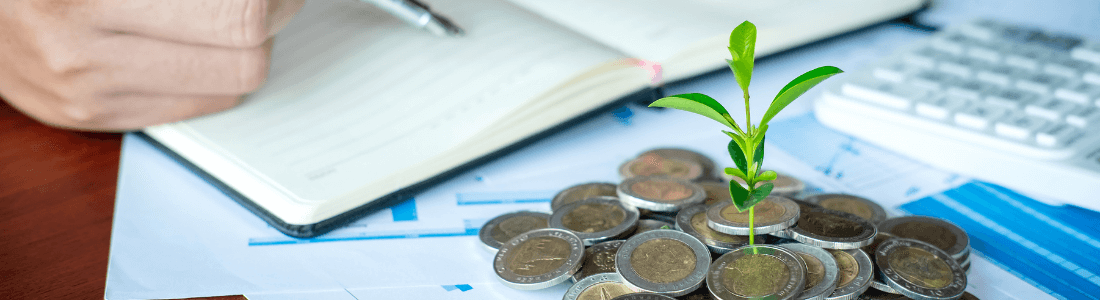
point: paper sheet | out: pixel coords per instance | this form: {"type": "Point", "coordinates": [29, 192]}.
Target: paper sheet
{"type": "Point", "coordinates": [176, 236]}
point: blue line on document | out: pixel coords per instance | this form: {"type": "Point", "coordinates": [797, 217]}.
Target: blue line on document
{"type": "Point", "coordinates": [405, 211]}
{"type": "Point", "coordinates": [471, 228]}
{"type": "Point", "coordinates": [512, 197]}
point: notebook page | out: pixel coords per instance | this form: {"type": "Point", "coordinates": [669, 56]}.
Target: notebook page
{"type": "Point", "coordinates": [355, 95]}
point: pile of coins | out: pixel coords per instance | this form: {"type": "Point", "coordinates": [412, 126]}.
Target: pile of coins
{"type": "Point", "coordinates": [669, 229]}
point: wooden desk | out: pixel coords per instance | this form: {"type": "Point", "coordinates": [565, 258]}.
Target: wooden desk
{"type": "Point", "coordinates": [57, 196]}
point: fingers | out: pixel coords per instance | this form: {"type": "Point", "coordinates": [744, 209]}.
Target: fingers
{"type": "Point", "coordinates": [224, 23]}
{"type": "Point", "coordinates": [121, 112]}
{"type": "Point", "coordinates": [136, 64]}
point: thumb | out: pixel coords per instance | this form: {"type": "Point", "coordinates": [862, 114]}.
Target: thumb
{"type": "Point", "coordinates": [280, 12]}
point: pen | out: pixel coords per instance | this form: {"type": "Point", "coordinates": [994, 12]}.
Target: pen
{"type": "Point", "coordinates": [417, 14]}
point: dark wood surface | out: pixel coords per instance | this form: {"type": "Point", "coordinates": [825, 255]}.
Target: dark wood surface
{"type": "Point", "coordinates": [57, 196]}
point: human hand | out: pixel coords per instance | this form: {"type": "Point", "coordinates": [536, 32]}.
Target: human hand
{"type": "Point", "coordinates": [109, 65]}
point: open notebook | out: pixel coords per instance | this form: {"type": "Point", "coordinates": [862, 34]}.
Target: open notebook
{"type": "Point", "coordinates": [361, 110]}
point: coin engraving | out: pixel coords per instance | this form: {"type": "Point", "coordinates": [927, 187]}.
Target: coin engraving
{"type": "Point", "coordinates": [600, 258]}
{"type": "Point", "coordinates": [663, 260]}
{"type": "Point", "coordinates": [920, 267]}
{"type": "Point", "coordinates": [756, 275]}
{"type": "Point", "coordinates": [815, 270]}
{"type": "Point", "coordinates": [517, 225]}
{"type": "Point", "coordinates": [652, 164]}
{"type": "Point", "coordinates": [538, 256]}
{"type": "Point", "coordinates": [849, 206]}
{"type": "Point", "coordinates": [662, 190]}
{"type": "Point", "coordinates": [699, 223]}
{"type": "Point", "coordinates": [583, 191]}
{"type": "Point", "coordinates": [604, 291]}
{"type": "Point", "coordinates": [766, 212]}
{"type": "Point", "coordinates": [847, 267]}
{"type": "Point", "coordinates": [829, 225]}
{"type": "Point", "coordinates": [593, 217]}
{"type": "Point", "coordinates": [716, 192]}
{"type": "Point", "coordinates": [930, 233]}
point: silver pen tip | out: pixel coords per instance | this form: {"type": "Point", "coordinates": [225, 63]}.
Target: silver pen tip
{"type": "Point", "coordinates": [442, 26]}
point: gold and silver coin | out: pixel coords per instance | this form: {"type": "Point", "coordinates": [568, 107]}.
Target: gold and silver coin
{"type": "Point", "coordinates": [940, 233]}
{"type": "Point", "coordinates": [709, 169]}
{"type": "Point", "coordinates": [598, 259]}
{"type": "Point", "coordinates": [507, 226]}
{"type": "Point", "coordinates": [783, 185]}
{"type": "Point", "coordinates": [603, 286]}
{"type": "Point", "coordinates": [717, 192]}
{"type": "Point", "coordinates": [832, 229]}
{"type": "Point", "coordinates": [876, 279]}
{"type": "Point", "coordinates": [756, 272]}
{"type": "Point", "coordinates": [650, 164]}
{"type": "Point", "coordinates": [862, 207]}
{"type": "Point", "coordinates": [538, 259]}
{"type": "Point", "coordinates": [821, 271]}
{"type": "Point", "coordinates": [667, 262]}
{"type": "Point", "coordinates": [693, 220]}
{"type": "Point", "coordinates": [643, 296]}
{"type": "Point", "coordinates": [919, 270]}
{"type": "Point", "coordinates": [659, 193]}
{"type": "Point", "coordinates": [583, 191]}
{"type": "Point", "coordinates": [854, 274]}
{"type": "Point", "coordinates": [773, 214]}
{"type": "Point", "coordinates": [596, 220]}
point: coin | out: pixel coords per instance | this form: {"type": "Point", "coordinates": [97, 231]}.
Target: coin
{"type": "Point", "coordinates": [595, 220]}
{"type": "Point", "coordinates": [968, 296]}
{"type": "Point", "coordinates": [583, 191]}
{"type": "Point", "coordinates": [832, 229]}
{"type": "Point", "coordinates": [598, 287]}
{"type": "Point", "coordinates": [703, 161]}
{"type": "Point", "coordinates": [854, 274]}
{"type": "Point", "coordinates": [773, 214]}
{"type": "Point", "coordinates": [698, 294]}
{"type": "Point", "coordinates": [538, 259]}
{"type": "Point", "coordinates": [783, 185]}
{"type": "Point", "coordinates": [693, 220]}
{"type": "Point", "coordinates": [655, 165]}
{"type": "Point", "coordinates": [506, 226]}
{"type": "Point", "coordinates": [919, 270]}
{"type": "Point", "coordinates": [756, 272]}
{"type": "Point", "coordinates": [599, 258]}
{"type": "Point", "coordinates": [663, 261]}
{"type": "Point", "coordinates": [876, 280]}
{"type": "Point", "coordinates": [716, 192]}
{"type": "Point", "coordinates": [643, 296]}
{"type": "Point", "coordinates": [660, 194]}
{"type": "Point", "coordinates": [821, 271]}
{"type": "Point", "coordinates": [862, 207]}
{"type": "Point", "coordinates": [803, 208]}
{"type": "Point", "coordinates": [880, 295]}
{"type": "Point", "coordinates": [940, 233]}
{"type": "Point", "coordinates": [651, 224]}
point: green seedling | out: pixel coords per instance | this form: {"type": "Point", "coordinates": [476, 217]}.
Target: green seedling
{"type": "Point", "coordinates": [748, 142]}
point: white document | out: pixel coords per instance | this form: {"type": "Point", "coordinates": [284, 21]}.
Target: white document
{"type": "Point", "coordinates": [176, 236]}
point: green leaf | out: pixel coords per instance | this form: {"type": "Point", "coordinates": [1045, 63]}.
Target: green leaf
{"type": "Point", "coordinates": [738, 157]}
{"type": "Point", "coordinates": [758, 154]}
{"type": "Point", "coordinates": [700, 104]}
{"type": "Point", "coordinates": [796, 88]}
{"type": "Point", "coordinates": [735, 172]}
{"type": "Point", "coordinates": [758, 195]}
{"type": "Point", "coordinates": [767, 175]}
{"type": "Point", "coordinates": [760, 131]}
{"type": "Point", "coordinates": [742, 49]}
{"type": "Point", "coordinates": [740, 195]}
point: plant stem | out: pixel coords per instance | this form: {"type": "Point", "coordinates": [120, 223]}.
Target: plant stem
{"type": "Point", "coordinates": [748, 118]}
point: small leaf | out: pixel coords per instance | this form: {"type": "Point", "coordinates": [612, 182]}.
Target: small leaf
{"type": "Point", "coordinates": [758, 154]}
{"type": "Point", "coordinates": [738, 157]}
{"type": "Point", "coordinates": [758, 195]}
{"type": "Point", "coordinates": [742, 47]}
{"type": "Point", "coordinates": [760, 131]}
{"type": "Point", "coordinates": [739, 193]}
{"type": "Point", "coordinates": [796, 88]}
{"type": "Point", "coordinates": [735, 173]}
{"type": "Point", "coordinates": [767, 175]}
{"type": "Point", "coordinates": [697, 103]}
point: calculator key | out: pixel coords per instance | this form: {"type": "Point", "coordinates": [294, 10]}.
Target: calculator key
{"type": "Point", "coordinates": [1085, 117]}
{"type": "Point", "coordinates": [1087, 52]}
{"type": "Point", "coordinates": [939, 108]}
{"type": "Point", "coordinates": [1011, 98]}
{"type": "Point", "coordinates": [1051, 109]}
{"type": "Point", "coordinates": [932, 80]}
{"type": "Point", "coordinates": [923, 58]}
{"type": "Point", "coordinates": [1080, 93]}
{"type": "Point", "coordinates": [1028, 59]}
{"type": "Point", "coordinates": [1058, 135]}
{"type": "Point", "coordinates": [1067, 68]}
{"type": "Point", "coordinates": [892, 73]}
{"type": "Point", "coordinates": [999, 74]}
{"type": "Point", "coordinates": [984, 30]}
{"type": "Point", "coordinates": [979, 116]}
{"type": "Point", "coordinates": [1019, 127]}
{"type": "Point", "coordinates": [984, 52]}
{"type": "Point", "coordinates": [886, 94]}
{"type": "Point", "coordinates": [953, 44]}
{"type": "Point", "coordinates": [970, 89]}
{"type": "Point", "coordinates": [1039, 83]}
